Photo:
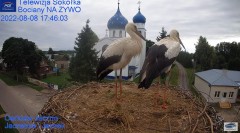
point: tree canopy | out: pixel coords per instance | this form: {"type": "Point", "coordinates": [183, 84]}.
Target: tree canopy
{"type": "Point", "coordinates": [227, 56]}
{"type": "Point", "coordinates": [20, 53]}
{"type": "Point", "coordinates": [204, 55]}
{"type": "Point", "coordinates": [163, 34]}
{"type": "Point", "coordinates": [186, 59]}
{"type": "Point", "coordinates": [149, 43]}
{"type": "Point", "coordinates": [83, 65]}
{"type": "Point", "coordinates": [50, 51]}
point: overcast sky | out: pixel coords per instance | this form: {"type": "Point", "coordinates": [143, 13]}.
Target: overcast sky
{"type": "Point", "coordinates": [217, 20]}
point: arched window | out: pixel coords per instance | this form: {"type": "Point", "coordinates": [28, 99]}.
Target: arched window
{"type": "Point", "coordinates": [120, 33]}
{"type": "Point", "coordinates": [114, 33]}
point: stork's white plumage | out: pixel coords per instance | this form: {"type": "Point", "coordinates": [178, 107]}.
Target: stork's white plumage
{"type": "Point", "coordinates": [119, 53]}
{"type": "Point", "coordinates": [160, 58]}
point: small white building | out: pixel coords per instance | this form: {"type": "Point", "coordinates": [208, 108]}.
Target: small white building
{"type": "Point", "coordinates": [116, 29]}
{"type": "Point", "coordinates": [218, 85]}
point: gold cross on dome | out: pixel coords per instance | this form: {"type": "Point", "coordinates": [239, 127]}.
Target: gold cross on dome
{"type": "Point", "coordinates": [139, 3]}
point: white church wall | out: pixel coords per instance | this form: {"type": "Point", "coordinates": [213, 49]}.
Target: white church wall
{"type": "Point", "coordinates": [118, 33]}
{"type": "Point", "coordinates": [124, 73]}
{"type": "Point", "coordinates": [104, 41]}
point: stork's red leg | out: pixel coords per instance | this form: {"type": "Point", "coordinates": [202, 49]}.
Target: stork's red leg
{"type": "Point", "coordinates": [164, 106]}
{"type": "Point", "coordinates": [120, 80]}
{"type": "Point", "coordinates": [116, 86]}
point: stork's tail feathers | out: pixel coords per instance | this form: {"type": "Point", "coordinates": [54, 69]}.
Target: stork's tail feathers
{"type": "Point", "coordinates": [151, 74]}
{"type": "Point", "coordinates": [144, 84]}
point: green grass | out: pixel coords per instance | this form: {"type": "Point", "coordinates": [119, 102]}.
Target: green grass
{"type": "Point", "coordinates": [190, 75]}
{"type": "Point", "coordinates": [11, 82]}
{"type": "Point", "coordinates": [35, 87]}
{"type": "Point", "coordinates": [3, 123]}
{"type": "Point", "coordinates": [1, 110]}
{"type": "Point", "coordinates": [61, 80]}
{"type": "Point", "coordinates": [8, 80]}
{"type": "Point", "coordinates": [136, 80]}
{"type": "Point", "coordinates": [173, 79]}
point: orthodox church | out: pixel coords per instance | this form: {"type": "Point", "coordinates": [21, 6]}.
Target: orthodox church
{"type": "Point", "coordinates": [116, 29]}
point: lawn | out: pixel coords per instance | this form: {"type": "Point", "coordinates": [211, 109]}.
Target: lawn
{"type": "Point", "coordinates": [3, 123]}
{"type": "Point", "coordinates": [190, 75]}
{"type": "Point", "coordinates": [173, 79]}
{"type": "Point", "coordinates": [11, 82]}
{"type": "Point", "coordinates": [61, 80]}
{"type": "Point", "coordinates": [35, 87]}
{"type": "Point", "coordinates": [8, 80]}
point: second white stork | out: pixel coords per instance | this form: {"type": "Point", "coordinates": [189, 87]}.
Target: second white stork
{"type": "Point", "coordinates": [119, 53]}
{"type": "Point", "coordinates": [160, 58]}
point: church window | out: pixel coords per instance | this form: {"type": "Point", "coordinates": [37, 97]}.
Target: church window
{"type": "Point", "coordinates": [114, 33]}
{"type": "Point", "coordinates": [120, 33]}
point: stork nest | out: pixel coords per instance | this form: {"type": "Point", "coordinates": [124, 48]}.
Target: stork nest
{"type": "Point", "coordinates": [93, 108]}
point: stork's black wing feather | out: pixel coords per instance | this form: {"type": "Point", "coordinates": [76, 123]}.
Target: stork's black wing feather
{"type": "Point", "coordinates": [154, 65]}
{"type": "Point", "coordinates": [104, 63]}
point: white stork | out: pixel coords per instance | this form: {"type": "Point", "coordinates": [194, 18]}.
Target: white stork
{"type": "Point", "coordinates": [119, 53]}
{"type": "Point", "coordinates": [160, 58]}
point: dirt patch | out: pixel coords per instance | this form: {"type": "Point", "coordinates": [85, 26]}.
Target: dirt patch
{"type": "Point", "coordinates": [93, 108]}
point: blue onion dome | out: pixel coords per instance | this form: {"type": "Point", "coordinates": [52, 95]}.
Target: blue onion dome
{"type": "Point", "coordinates": [118, 21]}
{"type": "Point", "coordinates": [139, 18]}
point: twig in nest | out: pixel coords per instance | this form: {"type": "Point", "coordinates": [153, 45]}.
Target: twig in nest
{"type": "Point", "coordinates": [92, 126]}
{"type": "Point", "coordinates": [193, 102]}
{"type": "Point", "coordinates": [195, 126]}
{"type": "Point", "coordinates": [170, 128]}
{"type": "Point", "coordinates": [64, 119]}
{"type": "Point", "coordinates": [75, 91]}
{"type": "Point", "coordinates": [204, 121]}
{"type": "Point", "coordinates": [72, 93]}
{"type": "Point", "coordinates": [210, 120]}
{"type": "Point", "coordinates": [163, 117]}
{"type": "Point", "coordinates": [203, 111]}
{"type": "Point", "coordinates": [189, 119]}
{"type": "Point", "coordinates": [163, 130]}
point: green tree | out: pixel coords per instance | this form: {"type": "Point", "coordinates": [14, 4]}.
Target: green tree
{"type": "Point", "coordinates": [83, 65]}
{"type": "Point", "coordinates": [234, 64]}
{"type": "Point", "coordinates": [50, 51]}
{"type": "Point", "coordinates": [163, 34]}
{"type": "Point", "coordinates": [185, 59]}
{"type": "Point", "coordinates": [19, 54]}
{"type": "Point", "coordinates": [149, 43]}
{"type": "Point", "coordinates": [227, 55]}
{"type": "Point", "coordinates": [204, 55]}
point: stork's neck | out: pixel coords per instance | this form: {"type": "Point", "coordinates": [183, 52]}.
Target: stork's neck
{"type": "Point", "coordinates": [136, 38]}
{"type": "Point", "coordinates": [137, 43]}
{"type": "Point", "coordinates": [174, 38]}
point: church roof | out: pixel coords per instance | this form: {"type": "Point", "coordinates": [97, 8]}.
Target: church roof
{"type": "Point", "coordinates": [139, 18]}
{"type": "Point", "coordinates": [118, 21]}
